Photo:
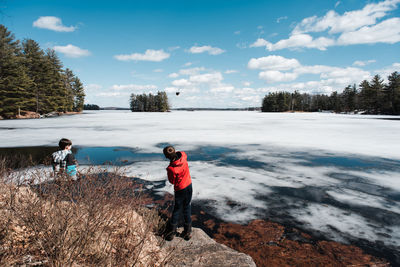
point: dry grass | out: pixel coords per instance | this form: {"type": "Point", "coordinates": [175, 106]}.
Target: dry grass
{"type": "Point", "coordinates": [98, 220]}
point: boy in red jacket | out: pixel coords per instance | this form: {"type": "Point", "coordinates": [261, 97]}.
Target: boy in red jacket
{"type": "Point", "coordinates": [179, 176]}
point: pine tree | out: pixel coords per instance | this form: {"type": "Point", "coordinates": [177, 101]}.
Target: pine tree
{"type": "Point", "coordinates": [162, 102]}
{"type": "Point", "coordinates": [79, 94]}
{"type": "Point", "coordinates": [349, 97]}
{"type": "Point", "coordinates": [56, 92]}
{"type": "Point", "coordinates": [68, 92]}
{"type": "Point", "coordinates": [14, 81]}
{"type": "Point", "coordinates": [392, 90]}
{"type": "Point", "coordinates": [36, 66]}
{"type": "Point", "coordinates": [366, 95]}
{"type": "Point", "coordinates": [376, 86]}
{"type": "Point", "coordinates": [149, 103]}
{"type": "Point", "coordinates": [269, 103]}
{"type": "Point", "coordinates": [335, 102]}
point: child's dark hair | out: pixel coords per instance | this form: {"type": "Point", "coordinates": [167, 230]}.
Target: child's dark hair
{"type": "Point", "coordinates": [169, 152]}
{"type": "Point", "coordinates": [64, 142]}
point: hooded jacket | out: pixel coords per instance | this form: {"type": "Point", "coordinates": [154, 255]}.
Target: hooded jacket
{"type": "Point", "coordinates": [59, 159]}
{"type": "Point", "coordinates": [178, 172]}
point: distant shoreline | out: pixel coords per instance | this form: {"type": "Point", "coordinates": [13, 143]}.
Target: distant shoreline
{"type": "Point", "coordinates": [35, 115]}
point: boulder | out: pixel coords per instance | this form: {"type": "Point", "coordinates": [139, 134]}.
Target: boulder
{"type": "Point", "coordinates": [201, 250]}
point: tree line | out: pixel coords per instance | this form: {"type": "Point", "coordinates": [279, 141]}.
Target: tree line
{"type": "Point", "coordinates": [34, 80]}
{"type": "Point", "coordinates": [149, 103]}
{"type": "Point", "coordinates": [91, 107]}
{"type": "Point", "coordinates": [371, 97]}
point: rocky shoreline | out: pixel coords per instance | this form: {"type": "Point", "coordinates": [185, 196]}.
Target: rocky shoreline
{"type": "Point", "coordinates": [34, 115]}
{"type": "Point", "coordinates": [273, 244]}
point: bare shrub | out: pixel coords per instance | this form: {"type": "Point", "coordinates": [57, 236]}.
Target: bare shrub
{"type": "Point", "coordinates": [98, 220]}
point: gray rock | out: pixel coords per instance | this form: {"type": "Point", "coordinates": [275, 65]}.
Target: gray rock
{"type": "Point", "coordinates": [201, 250]}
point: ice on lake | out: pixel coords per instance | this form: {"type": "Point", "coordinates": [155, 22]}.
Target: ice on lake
{"type": "Point", "coordinates": [334, 174]}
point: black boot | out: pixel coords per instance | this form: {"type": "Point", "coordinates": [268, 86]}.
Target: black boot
{"type": "Point", "coordinates": [187, 231]}
{"type": "Point", "coordinates": [170, 232]}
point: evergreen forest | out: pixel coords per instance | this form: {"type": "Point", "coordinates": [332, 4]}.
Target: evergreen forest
{"type": "Point", "coordinates": [91, 107]}
{"type": "Point", "coordinates": [34, 80]}
{"type": "Point", "coordinates": [371, 97]}
{"type": "Point", "coordinates": [149, 103]}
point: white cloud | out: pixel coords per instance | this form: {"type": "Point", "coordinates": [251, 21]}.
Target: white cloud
{"type": "Point", "coordinates": [245, 91]}
{"type": "Point", "coordinates": [149, 55]}
{"type": "Point", "coordinates": [247, 84]}
{"type": "Point", "coordinates": [241, 45]}
{"type": "Point", "coordinates": [337, 4]}
{"type": "Point", "coordinates": [331, 79]}
{"type": "Point", "coordinates": [110, 94]}
{"type": "Point", "coordinates": [72, 51]}
{"type": "Point", "coordinates": [207, 82]}
{"type": "Point", "coordinates": [93, 87]}
{"type": "Point", "coordinates": [387, 31]}
{"type": "Point", "coordinates": [134, 87]}
{"type": "Point", "coordinates": [207, 78]}
{"type": "Point", "coordinates": [191, 71]}
{"type": "Point", "coordinates": [173, 48]}
{"type": "Point", "coordinates": [186, 90]}
{"type": "Point", "coordinates": [158, 70]}
{"type": "Point", "coordinates": [353, 27]}
{"type": "Point", "coordinates": [296, 41]}
{"type": "Point", "coordinates": [273, 76]}
{"type": "Point", "coordinates": [188, 64]}
{"type": "Point", "coordinates": [237, 32]}
{"type": "Point", "coordinates": [349, 21]}
{"type": "Point", "coordinates": [363, 63]}
{"type": "Point", "coordinates": [346, 73]}
{"type": "Point", "coordinates": [260, 42]}
{"type": "Point", "coordinates": [173, 75]}
{"type": "Point", "coordinates": [274, 68]}
{"type": "Point", "coordinates": [222, 88]}
{"type": "Point", "coordinates": [230, 71]}
{"type": "Point", "coordinates": [209, 49]}
{"type": "Point", "coordinates": [273, 62]}
{"type": "Point", "coordinates": [278, 20]}
{"type": "Point", "coordinates": [52, 23]}
{"type": "Point", "coordinates": [181, 83]}
{"type": "Point", "coordinates": [171, 89]}
{"type": "Point", "coordinates": [385, 72]}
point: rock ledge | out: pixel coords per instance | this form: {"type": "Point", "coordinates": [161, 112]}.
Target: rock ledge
{"type": "Point", "coordinates": [201, 250]}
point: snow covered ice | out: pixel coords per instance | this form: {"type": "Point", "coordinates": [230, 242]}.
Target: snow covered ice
{"type": "Point", "coordinates": [338, 175]}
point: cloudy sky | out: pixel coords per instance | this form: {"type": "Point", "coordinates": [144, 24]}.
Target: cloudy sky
{"type": "Point", "coordinates": [215, 53]}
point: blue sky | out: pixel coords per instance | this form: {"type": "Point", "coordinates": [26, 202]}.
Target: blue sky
{"type": "Point", "coordinates": [216, 53]}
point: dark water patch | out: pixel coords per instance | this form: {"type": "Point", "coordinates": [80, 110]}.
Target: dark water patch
{"type": "Point", "coordinates": [389, 119]}
{"type": "Point", "coordinates": [23, 157]}
{"type": "Point", "coordinates": [363, 185]}
{"type": "Point", "coordinates": [318, 195]}
{"type": "Point", "coordinates": [209, 153]}
{"type": "Point", "coordinates": [118, 156]}
{"type": "Point", "coordinates": [224, 156]}
{"type": "Point", "coordinates": [346, 162]}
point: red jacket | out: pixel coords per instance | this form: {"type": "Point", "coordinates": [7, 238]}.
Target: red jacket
{"type": "Point", "coordinates": [178, 172]}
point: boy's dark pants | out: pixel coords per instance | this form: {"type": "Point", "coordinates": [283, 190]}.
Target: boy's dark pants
{"type": "Point", "coordinates": [183, 200]}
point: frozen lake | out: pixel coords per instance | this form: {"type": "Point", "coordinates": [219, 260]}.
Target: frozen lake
{"type": "Point", "coordinates": [338, 175]}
